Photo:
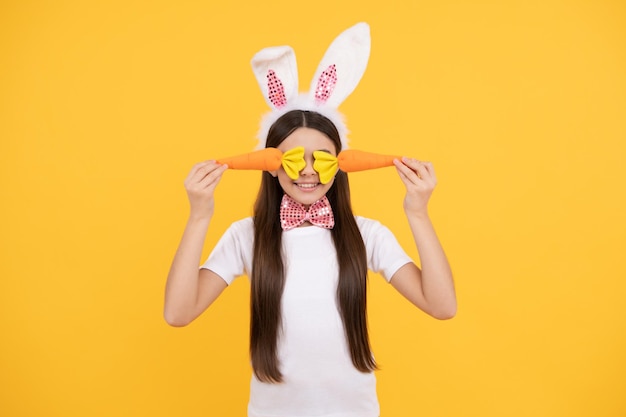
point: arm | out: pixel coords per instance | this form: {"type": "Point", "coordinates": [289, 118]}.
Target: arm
{"type": "Point", "coordinates": [190, 290]}
{"type": "Point", "coordinates": [431, 288]}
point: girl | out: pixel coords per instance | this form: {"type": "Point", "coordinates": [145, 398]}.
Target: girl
{"type": "Point", "coordinates": [307, 257]}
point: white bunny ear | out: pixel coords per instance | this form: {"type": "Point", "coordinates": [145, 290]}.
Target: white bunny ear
{"type": "Point", "coordinates": [337, 75]}
{"type": "Point", "coordinates": [342, 67]}
{"type": "Point", "coordinates": [277, 74]}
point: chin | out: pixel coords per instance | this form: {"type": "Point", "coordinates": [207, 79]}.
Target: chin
{"type": "Point", "coordinates": [307, 198]}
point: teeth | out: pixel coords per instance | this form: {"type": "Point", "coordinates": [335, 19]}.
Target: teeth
{"type": "Point", "coordinates": [307, 185]}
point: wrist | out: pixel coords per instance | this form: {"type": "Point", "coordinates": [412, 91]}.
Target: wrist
{"type": "Point", "coordinates": [418, 215]}
{"type": "Point", "coordinates": [200, 219]}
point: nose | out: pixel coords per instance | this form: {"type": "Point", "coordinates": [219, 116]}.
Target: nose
{"type": "Point", "coordinates": [308, 168]}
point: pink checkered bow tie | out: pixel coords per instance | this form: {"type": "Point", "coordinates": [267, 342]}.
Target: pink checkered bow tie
{"type": "Point", "coordinates": [293, 214]}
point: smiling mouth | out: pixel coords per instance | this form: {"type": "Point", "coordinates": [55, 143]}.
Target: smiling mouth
{"type": "Point", "coordinates": [307, 186]}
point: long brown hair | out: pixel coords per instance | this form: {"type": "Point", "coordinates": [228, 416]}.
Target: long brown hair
{"type": "Point", "coordinates": [268, 276]}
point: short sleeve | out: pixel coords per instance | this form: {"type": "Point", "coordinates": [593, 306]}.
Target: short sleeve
{"type": "Point", "coordinates": [384, 254]}
{"type": "Point", "coordinates": [232, 255]}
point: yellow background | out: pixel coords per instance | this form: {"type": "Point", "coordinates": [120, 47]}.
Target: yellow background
{"type": "Point", "coordinates": [521, 105]}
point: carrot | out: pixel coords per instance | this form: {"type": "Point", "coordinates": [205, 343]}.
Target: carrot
{"type": "Point", "coordinates": [268, 159]}
{"type": "Point", "coordinates": [352, 160]}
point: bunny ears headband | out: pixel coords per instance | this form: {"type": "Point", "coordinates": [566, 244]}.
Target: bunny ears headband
{"type": "Point", "coordinates": [337, 75]}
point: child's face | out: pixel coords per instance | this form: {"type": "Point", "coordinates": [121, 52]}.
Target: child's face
{"type": "Point", "coordinates": [307, 189]}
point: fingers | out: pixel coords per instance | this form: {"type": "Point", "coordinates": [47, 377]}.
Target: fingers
{"type": "Point", "coordinates": [428, 167]}
{"type": "Point", "coordinates": [205, 174]}
{"type": "Point", "coordinates": [415, 171]}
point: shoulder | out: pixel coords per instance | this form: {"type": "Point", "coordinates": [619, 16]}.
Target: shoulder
{"type": "Point", "coordinates": [384, 253]}
{"type": "Point", "coordinates": [245, 223]}
{"type": "Point", "coordinates": [243, 228]}
{"type": "Point", "coordinates": [368, 226]}
{"type": "Point", "coordinates": [373, 231]}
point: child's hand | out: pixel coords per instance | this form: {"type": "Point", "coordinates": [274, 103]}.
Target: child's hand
{"type": "Point", "coordinates": [200, 185]}
{"type": "Point", "coordinates": [419, 179]}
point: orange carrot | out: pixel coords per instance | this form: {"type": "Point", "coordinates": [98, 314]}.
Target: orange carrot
{"type": "Point", "coordinates": [268, 159]}
{"type": "Point", "coordinates": [352, 160]}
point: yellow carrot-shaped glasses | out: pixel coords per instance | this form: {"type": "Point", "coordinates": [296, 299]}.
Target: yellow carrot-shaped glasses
{"type": "Point", "coordinates": [293, 162]}
{"type": "Point", "coordinates": [326, 164]}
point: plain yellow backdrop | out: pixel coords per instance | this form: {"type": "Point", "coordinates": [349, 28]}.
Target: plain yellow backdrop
{"type": "Point", "coordinates": [106, 105]}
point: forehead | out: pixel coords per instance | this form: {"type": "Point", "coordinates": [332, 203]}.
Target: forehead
{"type": "Point", "coordinates": [310, 139]}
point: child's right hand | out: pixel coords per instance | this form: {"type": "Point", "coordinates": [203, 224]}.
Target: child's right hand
{"type": "Point", "coordinates": [200, 185]}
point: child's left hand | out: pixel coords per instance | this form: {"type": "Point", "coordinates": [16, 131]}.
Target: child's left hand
{"type": "Point", "coordinates": [420, 181]}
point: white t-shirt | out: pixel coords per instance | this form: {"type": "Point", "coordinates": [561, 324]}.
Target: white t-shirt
{"type": "Point", "coordinates": [319, 378]}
